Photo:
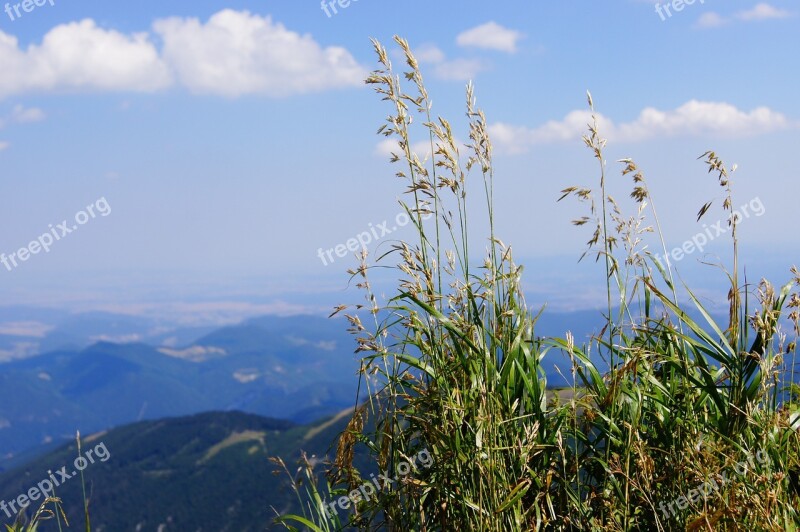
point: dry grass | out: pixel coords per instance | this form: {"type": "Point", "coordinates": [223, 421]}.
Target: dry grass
{"type": "Point", "coordinates": [455, 367]}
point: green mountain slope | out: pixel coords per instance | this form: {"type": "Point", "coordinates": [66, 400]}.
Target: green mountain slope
{"type": "Point", "coordinates": [206, 472]}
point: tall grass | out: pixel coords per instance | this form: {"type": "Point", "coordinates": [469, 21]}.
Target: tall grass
{"type": "Point", "coordinates": [453, 365]}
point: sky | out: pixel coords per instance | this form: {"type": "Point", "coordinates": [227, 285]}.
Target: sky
{"type": "Point", "coordinates": [209, 153]}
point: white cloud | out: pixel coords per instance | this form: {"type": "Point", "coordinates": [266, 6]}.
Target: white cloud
{"type": "Point", "coordinates": [762, 11]}
{"type": "Point", "coordinates": [429, 53]}
{"type": "Point", "coordinates": [231, 54]}
{"type": "Point", "coordinates": [692, 118]}
{"type": "Point", "coordinates": [422, 148]}
{"type": "Point", "coordinates": [237, 53]}
{"type": "Point", "coordinates": [711, 20]}
{"type": "Point", "coordinates": [699, 118]}
{"type": "Point", "coordinates": [387, 146]}
{"type": "Point", "coordinates": [20, 115]}
{"type": "Point", "coordinates": [490, 36]}
{"type": "Point", "coordinates": [518, 139]}
{"type": "Point", "coordinates": [23, 115]}
{"type": "Point", "coordinates": [79, 55]}
{"type": "Point", "coordinates": [460, 69]}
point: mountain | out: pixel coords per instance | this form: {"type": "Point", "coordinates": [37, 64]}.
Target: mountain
{"type": "Point", "coordinates": [29, 331]}
{"type": "Point", "coordinates": [206, 472]}
{"type": "Point", "coordinates": [298, 369]}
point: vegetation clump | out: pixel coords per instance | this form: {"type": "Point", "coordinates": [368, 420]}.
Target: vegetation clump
{"type": "Point", "coordinates": [693, 425]}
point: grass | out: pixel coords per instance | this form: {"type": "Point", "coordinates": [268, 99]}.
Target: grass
{"type": "Point", "coordinates": [453, 365]}
{"type": "Point", "coordinates": [45, 513]}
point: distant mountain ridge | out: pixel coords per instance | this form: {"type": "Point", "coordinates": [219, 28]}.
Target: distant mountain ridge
{"type": "Point", "coordinates": [298, 369]}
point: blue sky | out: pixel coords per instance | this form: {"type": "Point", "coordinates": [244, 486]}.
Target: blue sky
{"type": "Point", "coordinates": [232, 141]}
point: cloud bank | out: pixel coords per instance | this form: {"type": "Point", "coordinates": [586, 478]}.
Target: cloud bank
{"type": "Point", "coordinates": [232, 54]}
{"type": "Point", "coordinates": [693, 118]}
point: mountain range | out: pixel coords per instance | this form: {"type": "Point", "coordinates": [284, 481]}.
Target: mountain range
{"type": "Point", "coordinates": [297, 369]}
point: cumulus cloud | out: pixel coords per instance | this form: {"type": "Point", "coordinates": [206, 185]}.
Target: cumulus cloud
{"type": "Point", "coordinates": [237, 53]}
{"type": "Point", "coordinates": [22, 115]}
{"type": "Point", "coordinates": [518, 139]}
{"type": "Point", "coordinates": [711, 20]}
{"type": "Point", "coordinates": [490, 36]}
{"type": "Point", "coordinates": [761, 11]}
{"type": "Point", "coordinates": [233, 53]}
{"type": "Point", "coordinates": [429, 53]}
{"type": "Point", "coordinates": [80, 55]}
{"type": "Point", "coordinates": [692, 118]}
{"type": "Point", "coordinates": [460, 69]}
{"type": "Point", "coordinates": [388, 146]}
